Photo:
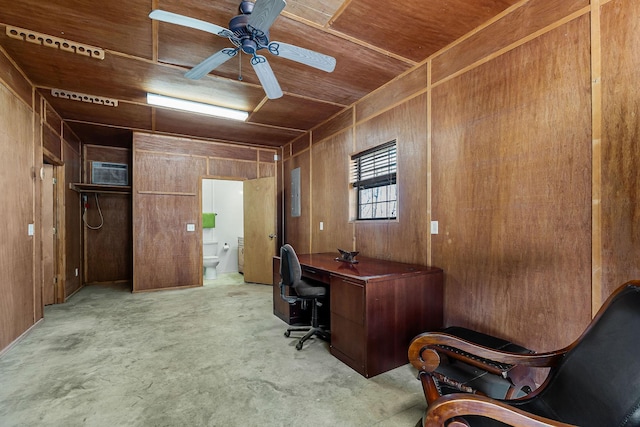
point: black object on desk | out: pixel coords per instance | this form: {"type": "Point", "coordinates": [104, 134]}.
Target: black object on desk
{"type": "Point", "coordinates": [347, 256]}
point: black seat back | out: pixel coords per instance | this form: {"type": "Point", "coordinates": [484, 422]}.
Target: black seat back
{"type": "Point", "coordinates": [290, 273]}
{"type": "Point", "coordinates": [290, 270]}
{"type": "Point", "coordinates": [285, 271]}
{"type": "Point", "coordinates": [598, 381]}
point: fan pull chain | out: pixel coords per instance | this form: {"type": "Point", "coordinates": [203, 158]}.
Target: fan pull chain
{"type": "Point", "coordinates": [240, 68]}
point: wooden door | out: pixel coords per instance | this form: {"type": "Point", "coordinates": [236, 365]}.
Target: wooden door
{"type": "Point", "coordinates": [259, 229]}
{"type": "Point", "coordinates": [48, 236]}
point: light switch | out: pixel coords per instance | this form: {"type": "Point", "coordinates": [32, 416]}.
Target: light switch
{"type": "Point", "coordinates": [321, 225]}
{"type": "Point", "coordinates": [434, 227]}
{"type": "Point", "coordinates": [191, 227]}
{"type": "Point", "coordinates": [31, 230]}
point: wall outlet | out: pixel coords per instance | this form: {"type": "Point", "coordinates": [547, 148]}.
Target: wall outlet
{"type": "Point", "coordinates": [434, 227]}
{"type": "Point", "coordinates": [191, 227]}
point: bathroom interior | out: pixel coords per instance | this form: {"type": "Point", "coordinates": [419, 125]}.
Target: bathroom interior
{"type": "Point", "coordinates": [222, 228]}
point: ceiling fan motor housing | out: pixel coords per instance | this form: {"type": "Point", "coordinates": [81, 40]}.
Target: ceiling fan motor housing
{"type": "Point", "coordinates": [249, 39]}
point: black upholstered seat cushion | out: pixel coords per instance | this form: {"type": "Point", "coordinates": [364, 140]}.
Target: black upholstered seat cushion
{"type": "Point", "coordinates": [459, 372]}
{"type": "Point", "coordinates": [305, 289]}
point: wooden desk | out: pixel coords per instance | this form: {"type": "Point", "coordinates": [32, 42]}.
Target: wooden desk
{"type": "Point", "coordinates": [377, 307]}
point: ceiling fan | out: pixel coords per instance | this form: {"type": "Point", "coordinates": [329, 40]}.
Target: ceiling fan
{"type": "Point", "coordinates": [249, 32]}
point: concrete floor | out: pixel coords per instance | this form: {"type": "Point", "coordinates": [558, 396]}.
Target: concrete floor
{"type": "Point", "coordinates": [210, 356]}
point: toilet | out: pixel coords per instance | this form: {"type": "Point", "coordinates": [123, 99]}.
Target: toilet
{"type": "Point", "coordinates": [210, 259]}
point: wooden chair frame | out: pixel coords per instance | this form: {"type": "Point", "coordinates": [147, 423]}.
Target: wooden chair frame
{"type": "Point", "coordinates": [427, 350]}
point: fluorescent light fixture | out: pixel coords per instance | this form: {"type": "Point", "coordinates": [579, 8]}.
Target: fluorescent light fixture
{"type": "Point", "coordinates": [196, 107]}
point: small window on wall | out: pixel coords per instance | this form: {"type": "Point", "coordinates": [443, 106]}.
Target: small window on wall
{"type": "Point", "coordinates": [373, 177]}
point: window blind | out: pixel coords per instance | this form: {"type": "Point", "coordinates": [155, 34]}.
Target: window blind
{"type": "Point", "coordinates": [375, 167]}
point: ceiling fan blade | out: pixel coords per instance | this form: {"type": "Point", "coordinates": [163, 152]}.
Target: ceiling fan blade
{"type": "Point", "coordinates": [266, 77]}
{"type": "Point", "coordinates": [264, 13]}
{"type": "Point", "coordinates": [211, 63]}
{"type": "Point", "coordinates": [185, 21]}
{"type": "Point", "coordinates": [304, 56]}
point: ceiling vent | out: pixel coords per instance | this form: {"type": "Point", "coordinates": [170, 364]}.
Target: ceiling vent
{"type": "Point", "coordinates": [109, 173]}
{"type": "Point", "coordinates": [75, 96]}
{"type": "Point", "coordinates": [54, 42]}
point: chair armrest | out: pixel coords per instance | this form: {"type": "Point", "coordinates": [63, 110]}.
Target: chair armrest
{"type": "Point", "coordinates": [291, 299]}
{"type": "Point", "coordinates": [426, 349]}
{"type": "Point", "coordinates": [458, 405]}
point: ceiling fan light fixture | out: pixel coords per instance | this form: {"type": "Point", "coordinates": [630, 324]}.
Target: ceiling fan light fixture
{"type": "Point", "coordinates": [196, 107]}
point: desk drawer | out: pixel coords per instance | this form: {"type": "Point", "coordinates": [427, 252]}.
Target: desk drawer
{"type": "Point", "coordinates": [348, 342]}
{"type": "Point", "coordinates": [318, 275]}
{"type": "Point", "coordinates": [347, 299]}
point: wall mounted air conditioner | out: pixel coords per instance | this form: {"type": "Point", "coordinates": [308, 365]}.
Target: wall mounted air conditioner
{"type": "Point", "coordinates": [109, 173]}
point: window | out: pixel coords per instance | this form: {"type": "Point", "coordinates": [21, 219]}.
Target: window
{"type": "Point", "coordinates": [374, 180]}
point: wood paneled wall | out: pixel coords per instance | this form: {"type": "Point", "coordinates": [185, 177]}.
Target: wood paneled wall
{"type": "Point", "coordinates": [108, 250]}
{"type": "Point", "coordinates": [72, 235]}
{"type": "Point", "coordinates": [167, 174]}
{"type": "Point", "coordinates": [337, 231]}
{"type": "Point", "coordinates": [399, 240]}
{"type": "Point", "coordinates": [499, 141]}
{"type": "Point", "coordinates": [512, 188]}
{"type": "Point", "coordinates": [298, 229]}
{"type": "Point", "coordinates": [620, 144]}
{"type": "Point", "coordinates": [30, 130]}
{"type": "Point", "coordinates": [38, 188]}
{"type": "Point", "coordinates": [17, 296]}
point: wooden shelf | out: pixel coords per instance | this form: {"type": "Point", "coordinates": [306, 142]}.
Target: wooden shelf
{"type": "Point", "coordinates": [99, 188]}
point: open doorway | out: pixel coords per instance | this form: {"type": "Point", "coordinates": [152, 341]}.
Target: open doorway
{"type": "Point", "coordinates": [222, 227]}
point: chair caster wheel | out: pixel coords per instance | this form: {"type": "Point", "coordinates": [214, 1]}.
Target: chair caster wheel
{"type": "Point", "coordinates": [299, 346]}
{"type": "Point", "coordinates": [287, 333]}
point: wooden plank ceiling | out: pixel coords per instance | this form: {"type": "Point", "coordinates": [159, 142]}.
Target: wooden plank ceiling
{"type": "Point", "coordinates": [373, 41]}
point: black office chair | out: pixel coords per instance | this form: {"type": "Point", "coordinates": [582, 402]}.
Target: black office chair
{"type": "Point", "coordinates": [305, 291]}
